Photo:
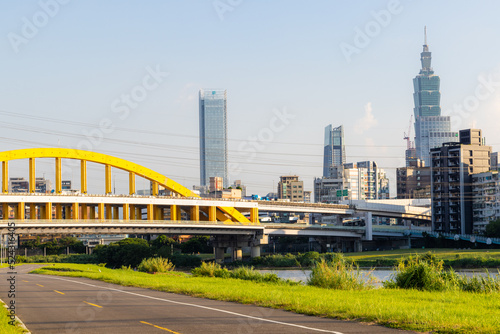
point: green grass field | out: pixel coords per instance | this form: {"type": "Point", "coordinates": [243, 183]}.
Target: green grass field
{"type": "Point", "coordinates": [439, 312]}
{"type": "Point", "coordinates": [5, 327]}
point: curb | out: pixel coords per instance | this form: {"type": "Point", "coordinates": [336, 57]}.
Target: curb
{"type": "Point", "coordinates": [19, 322]}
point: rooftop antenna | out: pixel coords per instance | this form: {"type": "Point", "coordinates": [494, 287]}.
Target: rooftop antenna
{"type": "Point", "coordinates": [425, 35]}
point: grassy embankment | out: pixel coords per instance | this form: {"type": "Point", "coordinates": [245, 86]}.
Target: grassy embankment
{"type": "Point", "coordinates": [440, 312]}
{"type": "Point", "coordinates": [4, 318]}
{"type": "Point", "coordinates": [5, 327]}
{"type": "Point", "coordinates": [456, 258]}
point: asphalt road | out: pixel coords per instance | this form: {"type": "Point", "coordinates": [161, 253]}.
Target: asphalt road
{"type": "Point", "coordinates": [50, 304]}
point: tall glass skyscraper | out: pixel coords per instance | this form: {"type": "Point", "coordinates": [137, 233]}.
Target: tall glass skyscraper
{"type": "Point", "coordinates": [213, 135]}
{"type": "Point", "coordinates": [334, 153]}
{"type": "Point", "coordinates": [431, 129]}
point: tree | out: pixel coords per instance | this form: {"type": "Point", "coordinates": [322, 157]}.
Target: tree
{"type": "Point", "coordinates": [126, 252]}
{"type": "Point", "coordinates": [493, 229]}
{"type": "Point", "coordinates": [198, 244]}
{"type": "Point", "coordinates": [163, 246]}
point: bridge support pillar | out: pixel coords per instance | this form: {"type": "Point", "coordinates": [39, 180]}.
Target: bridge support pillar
{"type": "Point", "coordinates": [150, 208]}
{"type": "Point", "coordinates": [20, 211]}
{"type": "Point", "coordinates": [368, 226]}
{"type": "Point", "coordinates": [254, 215]}
{"type": "Point", "coordinates": [212, 213]}
{"type": "Point", "coordinates": [100, 211]}
{"type": "Point", "coordinates": [219, 254]}
{"type": "Point", "coordinates": [47, 211]}
{"type": "Point", "coordinates": [195, 213]}
{"type": "Point", "coordinates": [67, 212]}
{"type": "Point", "coordinates": [358, 246]}
{"type": "Point", "coordinates": [255, 251]}
{"type": "Point", "coordinates": [159, 213]}
{"type": "Point", "coordinates": [92, 212]}
{"type": "Point", "coordinates": [116, 212]}
{"type": "Point", "coordinates": [58, 211]}
{"type": "Point", "coordinates": [5, 210]}
{"type": "Point", "coordinates": [75, 212]}
{"type": "Point", "coordinates": [126, 211]}
{"type": "Point", "coordinates": [237, 254]}
{"type": "Point", "coordinates": [33, 211]}
{"type": "Point", "coordinates": [5, 177]}
{"type": "Point", "coordinates": [173, 212]}
{"type": "Point", "coordinates": [85, 212]}
{"type": "Point", "coordinates": [109, 212]}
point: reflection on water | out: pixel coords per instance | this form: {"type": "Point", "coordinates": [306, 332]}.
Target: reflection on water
{"type": "Point", "coordinates": [380, 275]}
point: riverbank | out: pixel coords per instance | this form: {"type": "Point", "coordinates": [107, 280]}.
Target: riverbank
{"type": "Point", "coordinates": [442, 312]}
{"type": "Point", "coordinates": [457, 259]}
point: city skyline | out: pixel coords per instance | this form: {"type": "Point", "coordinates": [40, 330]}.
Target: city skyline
{"type": "Point", "coordinates": [58, 93]}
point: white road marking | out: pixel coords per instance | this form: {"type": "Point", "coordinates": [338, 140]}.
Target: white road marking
{"type": "Point", "coordinates": [199, 306]}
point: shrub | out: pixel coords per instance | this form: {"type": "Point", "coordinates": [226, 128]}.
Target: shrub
{"type": "Point", "coordinates": [249, 274]}
{"type": "Point", "coordinates": [476, 283]}
{"type": "Point", "coordinates": [308, 259]}
{"type": "Point", "coordinates": [211, 269]}
{"type": "Point", "coordinates": [245, 273]}
{"type": "Point", "coordinates": [422, 273]}
{"type": "Point", "coordinates": [73, 258]}
{"type": "Point", "coordinates": [278, 260]}
{"type": "Point", "coordinates": [425, 273]}
{"type": "Point", "coordinates": [155, 265]}
{"type": "Point", "coordinates": [337, 274]}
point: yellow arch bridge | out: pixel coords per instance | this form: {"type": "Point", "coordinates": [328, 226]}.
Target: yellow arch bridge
{"type": "Point", "coordinates": [104, 207]}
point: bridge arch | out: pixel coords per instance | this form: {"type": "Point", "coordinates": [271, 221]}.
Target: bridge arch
{"type": "Point", "coordinates": [134, 169]}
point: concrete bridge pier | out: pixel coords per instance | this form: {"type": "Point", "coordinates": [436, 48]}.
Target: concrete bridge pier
{"type": "Point", "coordinates": [358, 246]}
{"type": "Point", "coordinates": [237, 254]}
{"type": "Point", "coordinates": [219, 254]}
{"type": "Point", "coordinates": [255, 251]}
{"type": "Point", "coordinates": [236, 243]}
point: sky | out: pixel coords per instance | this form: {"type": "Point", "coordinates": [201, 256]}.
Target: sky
{"type": "Point", "coordinates": [122, 78]}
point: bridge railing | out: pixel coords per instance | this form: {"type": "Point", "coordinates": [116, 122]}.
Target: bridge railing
{"type": "Point", "coordinates": [25, 222]}
{"type": "Point", "coordinates": [468, 237]}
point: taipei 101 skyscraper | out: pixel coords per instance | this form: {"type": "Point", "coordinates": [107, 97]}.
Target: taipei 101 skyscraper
{"type": "Point", "coordinates": [431, 129]}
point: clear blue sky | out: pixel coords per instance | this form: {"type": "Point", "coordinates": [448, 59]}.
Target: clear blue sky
{"type": "Point", "coordinates": [269, 55]}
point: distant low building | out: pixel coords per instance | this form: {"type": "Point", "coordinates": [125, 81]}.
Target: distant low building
{"type": "Point", "coordinates": [238, 185]}
{"type": "Point", "coordinates": [216, 183]}
{"type": "Point", "coordinates": [413, 181]}
{"type": "Point", "coordinates": [225, 193]}
{"type": "Point", "coordinates": [21, 185]}
{"type": "Point", "coordinates": [352, 181]}
{"type": "Point", "coordinates": [291, 188]}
